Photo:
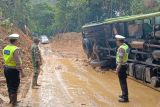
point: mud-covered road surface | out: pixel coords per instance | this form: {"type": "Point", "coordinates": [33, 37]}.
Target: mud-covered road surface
{"type": "Point", "coordinates": [69, 82]}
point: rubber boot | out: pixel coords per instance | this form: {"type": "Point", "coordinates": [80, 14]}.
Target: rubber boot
{"type": "Point", "coordinates": [14, 101]}
{"type": "Point", "coordinates": [33, 82]}
{"type": "Point", "coordinates": [10, 98]}
{"type": "Point", "coordinates": [36, 83]}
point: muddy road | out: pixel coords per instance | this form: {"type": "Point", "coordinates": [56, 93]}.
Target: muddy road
{"type": "Point", "coordinates": [69, 82]}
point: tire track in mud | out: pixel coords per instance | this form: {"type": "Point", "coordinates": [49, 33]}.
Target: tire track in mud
{"type": "Point", "coordinates": [101, 90]}
{"type": "Point", "coordinates": [95, 99]}
{"type": "Point", "coordinates": [53, 91]}
{"type": "Point", "coordinates": [68, 83]}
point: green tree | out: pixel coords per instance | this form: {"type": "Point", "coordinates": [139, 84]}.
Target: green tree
{"type": "Point", "coordinates": [16, 10]}
{"type": "Point", "coordinates": [42, 19]}
{"type": "Point", "coordinates": [54, 16]}
{"type": "Point", "coordinates": [137, 7]}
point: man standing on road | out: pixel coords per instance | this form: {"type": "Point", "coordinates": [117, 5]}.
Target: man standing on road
{"type": "Point", "coordinates": [36, 61]}
{"type": "Point", "coordinates": [12, 67]}
{"type": "Point", "coordinates": [121, 59]}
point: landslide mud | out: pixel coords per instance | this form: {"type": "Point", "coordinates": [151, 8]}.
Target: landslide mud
{"type": "Point", "coordinates": [68, 82]}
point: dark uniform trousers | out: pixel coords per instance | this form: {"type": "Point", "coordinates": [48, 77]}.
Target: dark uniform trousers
{"type": "Point", "coordinates": [123, 81]}
{"type": "Point", "coordinates": [12, 79]}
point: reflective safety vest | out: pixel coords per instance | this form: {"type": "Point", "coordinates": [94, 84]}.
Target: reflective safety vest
{"type": "Point", "coordinates": [8, 52]}
{"type": "Point", "coordinates": [125, 58]}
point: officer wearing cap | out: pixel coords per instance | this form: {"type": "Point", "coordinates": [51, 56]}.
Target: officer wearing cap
{"type": "Point", "coordinates": [121, 60]}
{"type": "Point", "coordinates": [12, 67]}
{"type": "Point", "coordinates": [36, 61]}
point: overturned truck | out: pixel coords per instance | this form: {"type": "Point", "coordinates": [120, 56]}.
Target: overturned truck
{"type": "Point", "coordinates": [142, 34]}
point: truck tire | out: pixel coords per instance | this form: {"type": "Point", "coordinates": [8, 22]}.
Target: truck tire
{"type": "Point", "coordinates": [139, 71]}
{"type": "Point", "coordinates": [131, 69]}
{"type": "Point", "coordinates": [154, 81]}
{"type": "Point", "coordinates": [87, 47]}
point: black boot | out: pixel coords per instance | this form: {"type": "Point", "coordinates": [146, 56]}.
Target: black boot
{"type": "Point", "coordinates": [10, 98]}
{"type": "Point", "coordinates": [121, 96]}
{"type": "Point", "coordinates": [14, 101]}
{"type": "Point", "coordinates": [123, 100]}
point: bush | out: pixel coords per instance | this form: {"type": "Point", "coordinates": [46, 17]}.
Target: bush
{"type": "Point", "coordinates": [6, 23]}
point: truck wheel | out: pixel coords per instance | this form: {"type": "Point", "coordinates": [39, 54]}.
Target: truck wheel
{"type": "Point", "coordinates": [87, 47]}
{"type": "Point", "coordinates": [154, 81]}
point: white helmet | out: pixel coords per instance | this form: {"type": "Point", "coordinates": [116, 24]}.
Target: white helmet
{"type": "Point", "coordinates": [13, 36]}
{"type": "Point", "coordinates": [119, 37]}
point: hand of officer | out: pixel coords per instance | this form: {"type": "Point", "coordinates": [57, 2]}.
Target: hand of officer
{"type": "Point", "coordinates": [22, 74]}
{"type": "Point", "coordinates": [117, 69]}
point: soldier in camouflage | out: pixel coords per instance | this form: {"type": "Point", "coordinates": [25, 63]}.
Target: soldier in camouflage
{"type": "Point", "coordinates": [36, 61]}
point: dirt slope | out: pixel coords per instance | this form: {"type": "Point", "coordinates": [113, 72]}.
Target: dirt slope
{"type": "Point", "coordinates": [24, 43]}
{"type": "Point", "coordinates": [69, 44]}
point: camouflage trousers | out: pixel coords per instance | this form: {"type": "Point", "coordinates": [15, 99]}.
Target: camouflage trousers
{"type": "Point", "coordinates": [35, 75]}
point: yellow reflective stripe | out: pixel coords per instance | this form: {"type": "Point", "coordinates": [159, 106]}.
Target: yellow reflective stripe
{"type": "Point", "coordinates": [125, 59]}
{"type": "Point", "coordinates": [8, 52]}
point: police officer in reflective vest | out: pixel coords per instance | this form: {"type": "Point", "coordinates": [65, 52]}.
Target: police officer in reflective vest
{"type": "Point", "coordinates": [12, 67]}
{"type": "Point", "coordinates": [121, 60]}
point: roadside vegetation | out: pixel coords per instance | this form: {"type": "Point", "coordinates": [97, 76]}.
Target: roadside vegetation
{"type": "Point", "coordinates": [50, 17]}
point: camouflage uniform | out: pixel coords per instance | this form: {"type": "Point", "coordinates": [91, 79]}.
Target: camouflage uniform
{"type": "Point", "coordinates": [36, 61]}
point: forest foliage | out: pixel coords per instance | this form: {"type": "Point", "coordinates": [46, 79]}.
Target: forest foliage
{"type": "Point", "coordinates": [49, 17]}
